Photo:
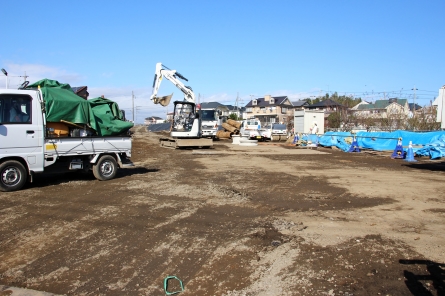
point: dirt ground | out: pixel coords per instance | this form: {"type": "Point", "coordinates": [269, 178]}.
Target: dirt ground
{"type": "Point", "coordinates": [265, 220]}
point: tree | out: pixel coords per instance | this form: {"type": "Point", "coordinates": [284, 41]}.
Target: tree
{"type": "Point", "coordinates": [334, 120]}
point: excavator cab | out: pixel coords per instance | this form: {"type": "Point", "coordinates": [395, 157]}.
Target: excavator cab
{"type": "Point", "coordinates": [186, 122]}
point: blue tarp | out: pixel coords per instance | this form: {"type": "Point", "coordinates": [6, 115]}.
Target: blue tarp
{"type": "Point", "coordinates": [337, 139]}
{"type": "Point", "coordinates": [433, 142]}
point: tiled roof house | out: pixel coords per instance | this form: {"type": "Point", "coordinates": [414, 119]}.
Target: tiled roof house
{"type": "Point", "coordinates": [270, 109]}
{"type": "Point", "coordinates": [381, 108]}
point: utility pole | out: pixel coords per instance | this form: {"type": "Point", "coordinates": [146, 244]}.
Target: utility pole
{"type": "Point", "coordinates": [24, 77]}
{"type": "Point", "coordinates": [132, 99]}
{"type": "Point", "coordinates": [238, 102]}
{"type": "Point", "coordinates": [414, 101]}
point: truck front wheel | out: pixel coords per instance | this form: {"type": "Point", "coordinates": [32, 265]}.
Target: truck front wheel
{"type": "Point", "coordinates": [105, 168]}
{"type": "Point", "coordinates": [13, 176]}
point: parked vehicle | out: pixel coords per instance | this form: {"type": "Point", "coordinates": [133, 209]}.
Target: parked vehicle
{"type": "Point", "coordinates": [274, 132]}
{"type": "Point", "coordinates": [30, 145]}
{"type": "Point", "coordinates": [210, 120]}
{"type": "Point", "coordinates": [250, 128]}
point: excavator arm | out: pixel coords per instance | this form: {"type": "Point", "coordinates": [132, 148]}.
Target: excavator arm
{"type": "Point", "coordinates": [173, 76]}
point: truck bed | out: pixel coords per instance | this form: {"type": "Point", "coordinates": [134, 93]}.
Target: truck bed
{"type": "Point", "coordinates": [69, 146]}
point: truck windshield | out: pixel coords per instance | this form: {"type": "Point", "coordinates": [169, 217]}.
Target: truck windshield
{"type": "Point", "coordinates": [279, 126]}
{"type": "Point", "coordinates": [208, 115]}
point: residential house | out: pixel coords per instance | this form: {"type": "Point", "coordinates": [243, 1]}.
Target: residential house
{"type": "Point", "coordinates": [328, 106]}
{"type": "Point", "coordinates": [411, 107]}
{"type": "Point", "coordinates": [81, 91]}
{"type": "Point", "coordinates": [271, 109]}
{"type": "Point", "coordinates": [383, 108]}
{"type": "Point", "coordinates": [153, 120]}
{"type": "Point", "coordinates": [238, 111]}
{"type": "Point", "coordinates": [300, 104]}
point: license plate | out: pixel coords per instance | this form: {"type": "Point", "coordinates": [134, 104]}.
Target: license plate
{"type": "Point", "coordinates": [258, 137]}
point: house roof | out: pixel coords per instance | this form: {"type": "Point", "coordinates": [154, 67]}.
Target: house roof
{"type": "Point", "coordinates": [234, 108]}
{"type": "Point", "coordinates": [81, 91]}
{"type": "Point", "coordinates": [153, 118]}
{"type": "Point", "coordinates": [411, 106]}
{"type": "Point", "coordinates": [261, 102]}
{"type": "Point", "coordinates": [382, 104]}
{"type": "Point", "coordinates": [77, 89]}
{"type": "Point", "coordinates": [300, 103]}
{"type": "Point", "coordinates": [210, 105]}
{"type": "Point", "coordinates": [359, 104]}
{"type": "Point", "coordinates": [326, 103]}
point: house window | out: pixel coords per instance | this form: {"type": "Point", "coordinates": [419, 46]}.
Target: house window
{"type": "Point", "coordinates": [249, 109]}
{"type": "Point", "coordinates": [254, 102]}
{"type": "Point", "coordinates": [263, 109]}
{"type": "Point", "coordinates": [272, 101]}
{"type": "Point", "coordinates": [283, 110]}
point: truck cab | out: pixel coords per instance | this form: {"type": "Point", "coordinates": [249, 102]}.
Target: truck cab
{"type": "Point", "coordinates": [210, 122]}
{"type": "Point", "coordinates": [22, 128]}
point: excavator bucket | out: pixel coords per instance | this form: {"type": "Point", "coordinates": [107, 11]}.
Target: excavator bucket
{"type": "Point", "coordinates": [164, 101]}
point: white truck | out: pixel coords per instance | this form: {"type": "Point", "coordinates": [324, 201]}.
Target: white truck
{"type": "Point", "coordinates": [210, 120]}
{"type": "Point", "coordinates": [26, 148]}
{"type": "Point", "coordinates": [274, 132]}
{"type": "Point", "coordinates": [250, 128]}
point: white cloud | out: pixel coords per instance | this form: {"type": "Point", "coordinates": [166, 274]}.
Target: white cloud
{"type": "Point", "coordinates": [36, 72]}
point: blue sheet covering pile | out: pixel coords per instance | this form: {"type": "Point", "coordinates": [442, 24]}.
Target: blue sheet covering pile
{"type": "Point", "coordinates": [433, 143]}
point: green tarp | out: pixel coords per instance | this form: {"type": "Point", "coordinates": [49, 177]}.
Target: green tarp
{"type": "Point", "coordinates": [108, 117]}
{"type": "Point", "coordinates": [100, 114]}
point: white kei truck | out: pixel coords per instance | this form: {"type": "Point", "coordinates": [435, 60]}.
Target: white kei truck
{"type": "Point", "coordinates": [26, 148]}
{"type": "Point", "coordinates": [250, 128]}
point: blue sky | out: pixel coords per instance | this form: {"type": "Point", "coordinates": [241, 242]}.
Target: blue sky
{"type": "Point", "coordinates": [369, 49]}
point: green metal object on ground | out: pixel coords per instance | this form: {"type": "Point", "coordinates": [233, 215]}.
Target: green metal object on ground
{"type": "Point", "coordinates": [166, 285]}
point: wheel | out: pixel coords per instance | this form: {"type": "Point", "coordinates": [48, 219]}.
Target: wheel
{"type": "Point", "coordinates": [105, 168]}
{"type": "Point", "coordinates": [13, 176]}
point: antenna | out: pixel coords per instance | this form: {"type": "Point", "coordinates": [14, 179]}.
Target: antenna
{"type": "Point", "coordinates": [414, 101]}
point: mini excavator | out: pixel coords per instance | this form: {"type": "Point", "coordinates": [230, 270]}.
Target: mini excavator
{"type": "Point", "coordinates": [185, 130]}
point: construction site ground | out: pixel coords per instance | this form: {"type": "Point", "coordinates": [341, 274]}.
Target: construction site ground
{"type": "Point", "coordinates": [271, 219]}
